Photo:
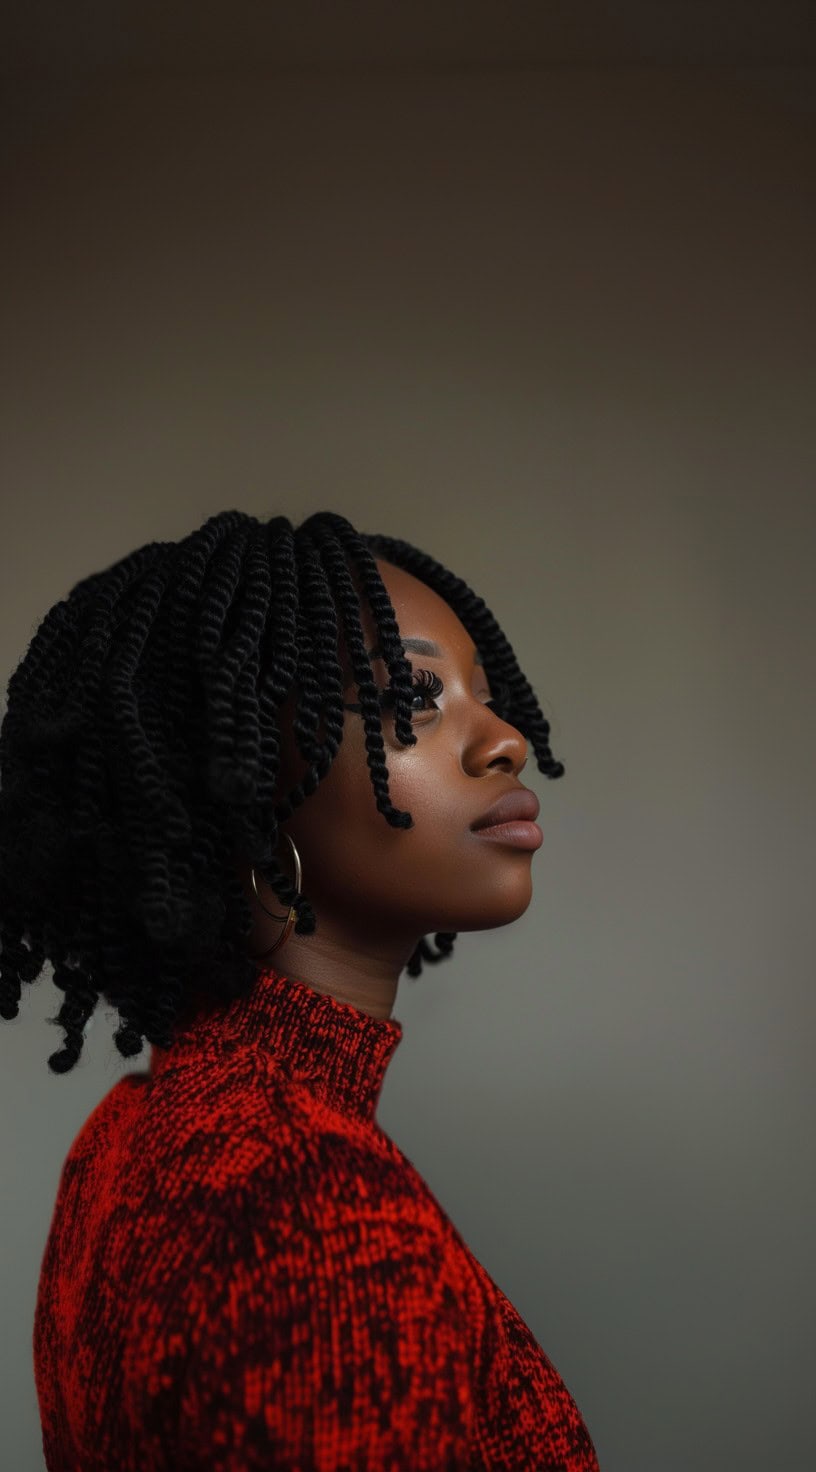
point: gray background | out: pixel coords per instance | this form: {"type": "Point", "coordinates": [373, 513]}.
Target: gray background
{"type": "Point", "coordinates": [538, 298]}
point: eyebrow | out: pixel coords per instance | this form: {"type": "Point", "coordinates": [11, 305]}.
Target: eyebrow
{"type": "Point", "coordinates": [422, 646]}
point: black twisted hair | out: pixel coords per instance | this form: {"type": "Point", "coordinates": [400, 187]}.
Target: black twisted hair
{"type": "Point", "coordinates": [140, 750]}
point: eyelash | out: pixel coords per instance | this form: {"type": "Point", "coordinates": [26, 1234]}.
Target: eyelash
{"type": "Point", "coordinates": [425, 683]}
{"type": "Point", "coordinates": [428, 684]}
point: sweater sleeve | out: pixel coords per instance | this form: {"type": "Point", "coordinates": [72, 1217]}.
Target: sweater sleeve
{"type": "Point", "coordinates": [302, 1349]}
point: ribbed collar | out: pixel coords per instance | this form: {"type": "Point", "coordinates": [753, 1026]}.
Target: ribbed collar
{"type": "Point", "coordinates": [337, 1051]}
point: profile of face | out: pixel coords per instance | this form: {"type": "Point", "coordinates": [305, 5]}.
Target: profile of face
{"type": "Point", "coordinates": [377, 890]}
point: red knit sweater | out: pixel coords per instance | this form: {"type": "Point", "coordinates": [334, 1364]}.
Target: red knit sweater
{"type": "Point", "coordinates": [243, 1271]}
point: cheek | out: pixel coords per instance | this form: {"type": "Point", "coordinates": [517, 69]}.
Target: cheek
{"type": "Point", "coordinates": [345, 843]}
{"type": "Point", "coordinates": [433, 876]}
{"type": "Point", "coordinates": [330, 818]}
{"type": "Point", "coordinates": [293, 765]}
{"type": "Point", "coordinates": [340, 822]}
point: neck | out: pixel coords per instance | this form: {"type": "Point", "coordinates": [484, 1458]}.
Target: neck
{"type": "Point", "coordinates": [364, 978]}
{"type": "Point", "coordinates": [336, 1052]}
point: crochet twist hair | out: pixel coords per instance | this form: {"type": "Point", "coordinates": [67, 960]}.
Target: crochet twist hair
{"type": "Point", "coordinates": [140, 750]}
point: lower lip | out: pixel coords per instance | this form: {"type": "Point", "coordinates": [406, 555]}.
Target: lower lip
{"type": "Point", "coordinates": [519, 834]}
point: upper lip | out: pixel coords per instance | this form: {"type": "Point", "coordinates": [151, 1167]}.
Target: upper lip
{"type": "Point", "coordinates": [521, 802]}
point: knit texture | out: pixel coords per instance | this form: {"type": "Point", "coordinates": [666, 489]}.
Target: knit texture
{"type": "Point", "coordinates": [243, 1271]}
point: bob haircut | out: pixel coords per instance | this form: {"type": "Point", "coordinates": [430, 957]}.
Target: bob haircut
{"type": "Point", "coordinates": [140, 750]}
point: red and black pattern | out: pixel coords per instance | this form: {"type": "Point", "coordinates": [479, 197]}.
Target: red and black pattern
{"type": "Point", "coordinates": [243, 1271]}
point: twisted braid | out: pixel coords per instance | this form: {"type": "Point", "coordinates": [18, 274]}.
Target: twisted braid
{"type": "Point", "coordinates": [500, 663]}
{"type": "Point", "coordinates": [348, 603]}
{"type": "Point", "coordinates": [141, 746]}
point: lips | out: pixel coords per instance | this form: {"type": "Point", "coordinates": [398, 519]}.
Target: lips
{"type": "Point", "coordinates": [520, 803]}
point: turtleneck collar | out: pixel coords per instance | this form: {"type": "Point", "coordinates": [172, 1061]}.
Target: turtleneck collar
{"type": "Point", "coordinates": [338, 1052]}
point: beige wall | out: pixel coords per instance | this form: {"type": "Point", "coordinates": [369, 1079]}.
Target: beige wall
{"type": "Point", "coordinates": [556, 328]}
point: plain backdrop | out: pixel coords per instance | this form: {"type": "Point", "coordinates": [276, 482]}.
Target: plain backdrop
{"type": "Point", "coordinates": [555, 327]}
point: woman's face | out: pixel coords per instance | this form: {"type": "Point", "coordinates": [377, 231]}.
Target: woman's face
{"type": "Point", "coordinates": [374, 886]}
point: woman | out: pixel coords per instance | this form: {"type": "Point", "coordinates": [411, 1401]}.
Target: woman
{"type": "Point", "coordinates": [232, 807]}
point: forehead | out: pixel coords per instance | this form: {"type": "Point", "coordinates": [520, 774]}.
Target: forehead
{"type": "Point", "coordinates": [421, 614]}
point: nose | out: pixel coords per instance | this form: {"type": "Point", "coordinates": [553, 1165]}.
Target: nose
{"type": "Point", "coordinates": [496, 744]}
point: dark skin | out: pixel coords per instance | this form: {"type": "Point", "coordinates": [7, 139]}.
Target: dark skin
{"type": "Point", "coordinates": [377, 890]}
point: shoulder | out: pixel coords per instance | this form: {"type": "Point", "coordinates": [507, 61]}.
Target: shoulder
{"type": "Point", "coordinates": [310, 1323]}
{"type": "Point", "coordinates": [245, 1124]}
{"type": "Point", "coordinates": [300, 1253]}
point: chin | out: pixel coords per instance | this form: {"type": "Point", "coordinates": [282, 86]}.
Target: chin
{"type": "Point", "coordinates": [499, 907]}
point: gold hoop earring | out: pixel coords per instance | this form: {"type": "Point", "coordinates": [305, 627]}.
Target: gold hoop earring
{"type": "Point", "coordinates": [291, 917]}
